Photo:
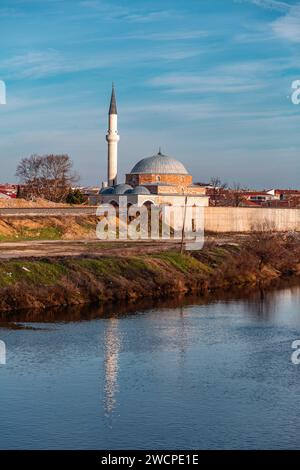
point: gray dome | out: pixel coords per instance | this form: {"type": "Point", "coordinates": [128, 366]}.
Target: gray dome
{"type": "Point", "coordinates": [121, 188]}
{"type": "Point", "coordinates": [106, 190]}
{"type": "Point", "coordinates": [140, 190]}
{"type": "Point", "coordinates": [159, 164]}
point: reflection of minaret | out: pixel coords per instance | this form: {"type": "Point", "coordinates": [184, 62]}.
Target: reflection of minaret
{"type": "Point", "coordinates": [112, 138]}
{"type": "Point", "coordinates": [182, 339]}
{"type": "Point", "coordinates": [112, 345]}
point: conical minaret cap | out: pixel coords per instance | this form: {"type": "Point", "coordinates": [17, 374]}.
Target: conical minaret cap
{"type": "Point", "coordinates": [113, 104]}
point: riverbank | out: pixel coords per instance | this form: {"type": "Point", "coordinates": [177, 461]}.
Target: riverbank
{"type": "Point", "coordinates": [260, 260]}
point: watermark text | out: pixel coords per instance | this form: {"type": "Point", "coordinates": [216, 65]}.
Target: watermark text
{"type": "Point", "coordinates": [2, 353]}
{"type": "Point", "coordinates": [2, 92]}
{"type": "Point", "coordinates": [295, 357]}
{"type": "Point", "coordinates": [296, 93]}
{"type": "Point", "coordinates": [125, 221]}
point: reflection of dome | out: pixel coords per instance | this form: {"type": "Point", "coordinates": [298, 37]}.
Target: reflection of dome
{"type": "Point", "coordinates": [159, 164]}
{"type": "Point", "coordinates": [121, 188]}
{"type": "Point", "coordinates": [138, 190]}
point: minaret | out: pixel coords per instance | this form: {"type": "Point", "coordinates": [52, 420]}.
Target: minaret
{"type": "Point", "coordinates": [112, 138]}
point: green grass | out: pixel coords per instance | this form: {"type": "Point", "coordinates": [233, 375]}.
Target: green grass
{"type": "Point", "coordinates": [185, 263]}
{"type": "Point", "coordinates": [113, 266]}
{"type": "Point", "coordinates": [99, 267]}
{"type": "Point", "coordinates": [44, 272]}
{"type": "Point", "coordinates": [31, 272]}
{"type": "Point", "coordinates": [27, 234]}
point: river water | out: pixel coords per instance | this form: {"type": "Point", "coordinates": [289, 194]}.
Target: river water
{"type": "Point", "coordinates": [195, 376]}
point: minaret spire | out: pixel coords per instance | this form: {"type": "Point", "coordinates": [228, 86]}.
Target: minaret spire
{"type": "Point", "coordinates": [113, 103]}
{"type": "Point", "coordinates": [112, 138]}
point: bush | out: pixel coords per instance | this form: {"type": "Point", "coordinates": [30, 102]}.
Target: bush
{"type": "Point", "coordinates": [75, 197]}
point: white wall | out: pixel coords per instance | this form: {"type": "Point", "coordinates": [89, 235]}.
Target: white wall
{"type": "Point", "coordinates": [244, 219]}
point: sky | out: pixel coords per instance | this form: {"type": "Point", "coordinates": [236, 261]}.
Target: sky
{"type": "Point", "coordinates": [208, 81]}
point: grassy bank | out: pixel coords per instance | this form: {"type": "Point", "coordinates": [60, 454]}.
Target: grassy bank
{"type": "Point", "coordinates": [42, 283]}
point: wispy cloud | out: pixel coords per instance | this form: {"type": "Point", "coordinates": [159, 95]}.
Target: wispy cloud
{"type": "Point", "coordinates": [203, 110]}
{"type": "Point", "coordinates": [166, 36]}
{"type": "Point", "coordinates": [151, 16]}
{"type": "Point", "coordinates": [10, 13]}
{"type": "Point", "coordinates": [275, 5]}
{"type": "Point", "coordinates": [238, 77]}
{"type": "Point", "coordinates": [288, 26]}
{"type": "Point", "coordinates": [213, 83]}
{"type": "Point", "coordinates": [127, 13]}
{"type": "Point", "coordinates": [40, 64]}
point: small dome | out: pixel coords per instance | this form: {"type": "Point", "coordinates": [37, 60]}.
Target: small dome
{"type": "Point", "coordinates": [159, 164]}
{"type": "Point", "coordinates": [121, 188]}
{"type": "Point", "coordinates": [140, 190]}
{"type": "Point", "coordinates": [106, 190]}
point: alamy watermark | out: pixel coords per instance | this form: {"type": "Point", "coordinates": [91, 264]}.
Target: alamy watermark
{"type": "Point", "coordinates": [296, 92]}
{"type": "Point", "coordinates": [295, 357]}
{"type": "Point", "coordinates": [149, 221]}
{"type": "Point", "coordinates": [2, 353]}
{"type": "Point", "coordinates": [2, 92]}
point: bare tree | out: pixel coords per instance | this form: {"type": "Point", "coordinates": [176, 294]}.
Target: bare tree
{"type": "Point", "coordinates": [236, 194]}
{"type": "Point", "coordinates": [217, 190]}
{"type": "Point", "coordinates": [46, 176]}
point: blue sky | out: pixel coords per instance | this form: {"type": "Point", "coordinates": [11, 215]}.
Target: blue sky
{"type": "Point", "coordinates": [207, 80]}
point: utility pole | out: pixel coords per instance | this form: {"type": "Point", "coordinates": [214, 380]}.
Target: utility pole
{"type": "Point", "coordinates": [183, 224]}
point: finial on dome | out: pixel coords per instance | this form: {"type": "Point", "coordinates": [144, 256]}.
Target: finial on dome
{"type": "Point", "coordinates": [159, 151]}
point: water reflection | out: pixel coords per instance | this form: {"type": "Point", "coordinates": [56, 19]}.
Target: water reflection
{"type": "Point", "coordinates": [112, 345]}
{"type": "Point", "coordinates": [181, 373]}
{"type": "Point", "coordinates": [265, 304]}
{"type": "Point", "coordinates": [182, 345]}
{"type": "Point", "coordinates": [260, 302]}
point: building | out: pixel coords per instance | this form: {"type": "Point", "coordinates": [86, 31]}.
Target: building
{"type": "Point", "coordinates": [258, 197]}
{"type": "Point", "coordinates": [284, 194]}
{"type": "Point", "coordinates": [8, 191]}
{"type": "Point", "coordinates": [157, 180]}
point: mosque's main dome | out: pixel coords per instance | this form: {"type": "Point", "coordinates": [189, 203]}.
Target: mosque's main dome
{"type": "Point", "coordinates": [159, 164]}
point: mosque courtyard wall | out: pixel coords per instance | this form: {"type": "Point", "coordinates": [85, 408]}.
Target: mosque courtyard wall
{"type": "Point", "coordinates": [244, 219]}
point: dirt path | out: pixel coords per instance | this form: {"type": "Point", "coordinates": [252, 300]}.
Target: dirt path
{"type": "Point", "coordinates": [67, 248]}
{"type": "Point", "coordinates": [47, 211]}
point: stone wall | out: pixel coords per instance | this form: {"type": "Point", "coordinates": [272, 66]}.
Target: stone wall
{"type": "Point", "coordinates": [242, 219]}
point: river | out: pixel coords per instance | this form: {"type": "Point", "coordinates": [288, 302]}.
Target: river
{"type": "Point", "coordinates": [191, 376]}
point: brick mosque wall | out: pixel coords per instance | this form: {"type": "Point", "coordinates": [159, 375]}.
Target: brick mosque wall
{"type": "Point", "coordinates": [140, 179]}
{"type": "Point", "coordinates": [175, 189]}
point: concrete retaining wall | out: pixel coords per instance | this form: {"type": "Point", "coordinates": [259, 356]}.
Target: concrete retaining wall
{"type": "Point", "coordinates": [244, 219]}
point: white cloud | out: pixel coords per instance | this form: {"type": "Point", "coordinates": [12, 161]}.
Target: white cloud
{"type": "Point", "coordinates": [39, 64]}
{"type": "Point", "coordinates": [166, 36]}
{"type": "Point", "coordinates": [150, 17]}
{"type": "Point", "coordinates": [269, 4]}
{"type": "Point", "coordinates": [125, 13]}
{"type": "Point", "coordinates": [231, 78]}
{"type": "Point", "coordinates": [212, 83]}
{"type": "Point", "coordinates": [288, 26]}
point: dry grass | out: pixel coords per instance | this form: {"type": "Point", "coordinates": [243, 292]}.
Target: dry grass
{"type": "Point", "coordinates": [23, 203]}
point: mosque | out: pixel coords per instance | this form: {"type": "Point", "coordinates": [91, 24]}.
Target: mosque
{"type": "Point", "coordinates": [157, 180]}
